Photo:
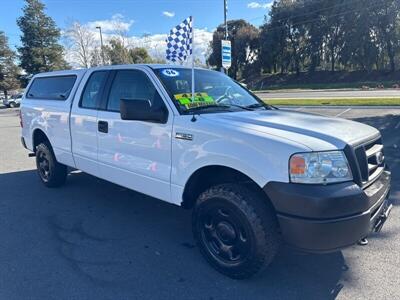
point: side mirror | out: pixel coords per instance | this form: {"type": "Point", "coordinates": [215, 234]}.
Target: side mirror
{"type": "Point", "coordinates": [141, 110]}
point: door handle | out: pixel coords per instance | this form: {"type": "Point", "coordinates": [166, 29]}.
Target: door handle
{"type": "Point", "coordinates": [102, 126]}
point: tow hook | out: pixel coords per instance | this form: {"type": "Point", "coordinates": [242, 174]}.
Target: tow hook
{"type": "Point", "coordinates": [378, 224]}
{"type": "Point", "coordinates": [363, 242]}
{"type": "Point", "coordinates": [382, 218]}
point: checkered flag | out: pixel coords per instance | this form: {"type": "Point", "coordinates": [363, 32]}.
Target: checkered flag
{"type": "Point", "coordinates": [180, 41]}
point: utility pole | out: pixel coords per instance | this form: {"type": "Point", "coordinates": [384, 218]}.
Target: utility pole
{"type": "Point", "coordinates": [101, 43]}
{"type": "Point", "coordinates": [226, 28]}
{"type": "Point", "coordinates": [225, 18]}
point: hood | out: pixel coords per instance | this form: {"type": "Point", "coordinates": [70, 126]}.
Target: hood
{"type": "Point", "coordinates": [316, 132]}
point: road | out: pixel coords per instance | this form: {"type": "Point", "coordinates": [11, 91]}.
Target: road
{"type": "Point", "coordinates": [319, 94]}
{"type": "Point", "coordinates": [94, 240]}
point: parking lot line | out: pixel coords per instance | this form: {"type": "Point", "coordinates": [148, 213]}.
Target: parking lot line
{"type": "Point", "coordinates": [343, 112]}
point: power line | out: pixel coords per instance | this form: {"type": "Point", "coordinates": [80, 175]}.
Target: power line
{"type": "Point", "coordinates": [328, 16]}
{"type": "Point", "coordinates": [311, 12]}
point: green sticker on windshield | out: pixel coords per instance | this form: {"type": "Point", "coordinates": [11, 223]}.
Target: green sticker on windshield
{"type": "Point", "coordinates": [200, 99]}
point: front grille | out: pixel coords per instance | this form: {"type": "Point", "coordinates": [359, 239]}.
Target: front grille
{"type": "Point", "coordinates": [371, 160]}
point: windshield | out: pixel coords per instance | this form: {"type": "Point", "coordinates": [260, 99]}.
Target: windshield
{"type": "Point", "coordinates": [214, 91]}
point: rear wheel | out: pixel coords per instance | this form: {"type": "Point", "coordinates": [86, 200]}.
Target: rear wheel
{"type": "Point", "coordinates": [236, 230]}
{"type": "Point", "coordinates": [51, 173]}
{"type": "Point", "coordinates": [12, 104]}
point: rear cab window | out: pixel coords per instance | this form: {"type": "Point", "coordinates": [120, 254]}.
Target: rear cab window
{"type": "Point", "coordinates": [51, 88]}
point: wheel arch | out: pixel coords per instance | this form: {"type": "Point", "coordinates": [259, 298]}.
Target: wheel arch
{"type": "Point", "coordinates": [210, 175]}
{"type": "Point", "coordinates": [39, 136]}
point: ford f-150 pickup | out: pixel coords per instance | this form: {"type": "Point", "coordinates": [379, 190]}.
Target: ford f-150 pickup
{"type": "Point", "coordinates": [254, 175]}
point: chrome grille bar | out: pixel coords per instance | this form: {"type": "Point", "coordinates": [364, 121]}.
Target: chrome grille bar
{"type": "Point", "coordinates": [371, 160]}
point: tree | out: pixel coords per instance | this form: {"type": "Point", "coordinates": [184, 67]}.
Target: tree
{"type": "Point", "coordinates": [247, 38]}
{"type": "Point", "coordinates": [302, 35]}
{"type": "Point", "coordinates": [9, 71]}
{"type": "Point", "coordinates": [40, 50]}
{"type": "Point", "coordinates": [116, 52]}
{"type": "Point", "coordinates": [285, 35]}
{"type": "Point", "coordinates": [315, 32]}
{"type": "Point", "coordinates": [386, 20]}
{"type": "Point", "coordinates": [81, 42]}
{"type": "Point", "coordinates": [334, 30]}
{"type": "Point", "coordinates": [244, 39]}
{"type": "Point", "coordinates": [96, 58]}
{"type": "Point", "coordinates": [139, 55]}
{"type": "Point", "coordinates": [119, 54]}
{"type": "Point", "coordinates": [273, 48]}
{"type": "Point", "coordinates": [360, 48]}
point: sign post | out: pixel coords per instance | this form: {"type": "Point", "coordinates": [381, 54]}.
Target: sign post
{"type": "Point", "coordinates": [226, 54]}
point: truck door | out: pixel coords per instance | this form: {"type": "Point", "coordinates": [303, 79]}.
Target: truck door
{"type": "Point", "coordinates": [84, 125]}
{"type": "Point", "coordinates": [134, 154]}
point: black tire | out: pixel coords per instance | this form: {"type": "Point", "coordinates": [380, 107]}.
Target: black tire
{"type": "Point", "coordinates": [51, 173]}
{"type": "Point", "coordinates": [236, 230]}
{"type": "Point", "coordinates": [13, 105]}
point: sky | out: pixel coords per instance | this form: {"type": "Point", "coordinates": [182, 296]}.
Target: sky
{"type": "Point", "coordinates": [153, 18]}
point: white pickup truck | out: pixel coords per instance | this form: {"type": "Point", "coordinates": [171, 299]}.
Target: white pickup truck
{"type": "Point", "coordinates": [254, 175]}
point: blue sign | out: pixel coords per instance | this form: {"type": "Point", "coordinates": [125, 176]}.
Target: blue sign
{"type": "Point", "coordinates": [226, 54]}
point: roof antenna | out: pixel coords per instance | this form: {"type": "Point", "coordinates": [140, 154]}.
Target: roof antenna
{"type": "Point", "coordinates": [194, 119]}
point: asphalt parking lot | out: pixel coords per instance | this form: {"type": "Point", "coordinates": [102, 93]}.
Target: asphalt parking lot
{"type": "Point", "coordinates": [94, 240]}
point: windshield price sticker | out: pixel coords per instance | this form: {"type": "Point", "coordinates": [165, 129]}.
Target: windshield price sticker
{"type": "Point", "coordinates": [170, 72]}
{"type": "Point", "coordinates": [197, 104]}
{"type": "Point", "coordinates": [200, 99]}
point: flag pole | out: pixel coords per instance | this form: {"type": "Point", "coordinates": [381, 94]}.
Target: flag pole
{"type": "Point", "coordinates": [193, 87]}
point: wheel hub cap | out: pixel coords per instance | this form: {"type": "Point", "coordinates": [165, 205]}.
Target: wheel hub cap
{"type": "Point", "coordinates": [224, 235]}
{"type": "Point", "coordinates": [44, 166]}
{"type": "Point", "coordinates": [226, 232]}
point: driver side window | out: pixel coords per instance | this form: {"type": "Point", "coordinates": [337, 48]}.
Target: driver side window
{"type": "Point", "coordinates": [132, 85]}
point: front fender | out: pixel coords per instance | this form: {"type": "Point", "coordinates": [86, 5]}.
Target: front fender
{"type": "Point", "coordinates": [261, 157]}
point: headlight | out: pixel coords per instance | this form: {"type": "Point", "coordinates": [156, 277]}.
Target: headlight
{"type": "Point", "coordinates": [319, 167]}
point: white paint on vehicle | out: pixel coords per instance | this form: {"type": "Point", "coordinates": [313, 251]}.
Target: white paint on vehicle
{"type": "Point", "coordinates": [143, 155]}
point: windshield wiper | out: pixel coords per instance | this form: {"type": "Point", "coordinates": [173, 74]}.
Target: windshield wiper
{"type": "Point", "coordinates": [259, 105]}
{"type": "Point", "coordinates": [255, 105]}
{"type": "Point", "coordinates": [249, 107]}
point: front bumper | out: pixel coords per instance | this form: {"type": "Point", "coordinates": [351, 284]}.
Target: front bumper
{"type": "Point", "coordinates": [319, 218]}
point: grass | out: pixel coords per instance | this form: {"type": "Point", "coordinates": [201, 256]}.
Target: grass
{"type": "Point", "coordinates": [335, 102]}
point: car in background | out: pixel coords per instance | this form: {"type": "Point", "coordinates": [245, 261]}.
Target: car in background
{"type": "Point", "coordinates": [14, 101]}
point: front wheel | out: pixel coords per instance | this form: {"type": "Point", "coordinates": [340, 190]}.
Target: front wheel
{"type": "Point", "coordinates": [51, 173]}
{"type": "Point", "coordinates": [236, 230]}
{"type": "Point", "coordinates": [12, 105]}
